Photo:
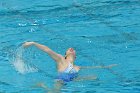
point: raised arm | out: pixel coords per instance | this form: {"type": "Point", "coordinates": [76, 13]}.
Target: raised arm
{"type": "Point", "coordinates": [94, 67]}
{"type": "Point", "coordinates": [57, 57]}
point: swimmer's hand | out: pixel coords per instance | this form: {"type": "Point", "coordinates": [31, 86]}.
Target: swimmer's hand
{"type": "Point", "coordinates": [27, 44]}
{"type": "Point", "coordinates": [40, 85]}
{"type": "Point", "coordinates": [110, 66]}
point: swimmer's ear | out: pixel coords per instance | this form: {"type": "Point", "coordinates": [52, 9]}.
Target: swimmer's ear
{"type": "Point", "coordinates": [65, 56]}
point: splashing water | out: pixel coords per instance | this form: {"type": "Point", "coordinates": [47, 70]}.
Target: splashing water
{"type": "Point", "coordinates": [20, 65]}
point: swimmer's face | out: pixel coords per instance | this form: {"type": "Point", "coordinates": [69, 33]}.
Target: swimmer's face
{"type": "Point", "coordinates": [71, 52]}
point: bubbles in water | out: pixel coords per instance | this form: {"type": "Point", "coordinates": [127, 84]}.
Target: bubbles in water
{"type": "Point", "coordinates": [21, 24]}
{"type": "Point", "coordinates": [125, 46]}
{"type": "Point", "coordinates": [57, 20]}
{"type": "Point", "coordinates": [19, 64]}
{"type": "Point", "coordinates": [89, 41]}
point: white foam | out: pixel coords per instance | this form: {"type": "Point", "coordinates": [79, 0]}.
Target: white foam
{"type": "Point", "coordinates": [20, 65]}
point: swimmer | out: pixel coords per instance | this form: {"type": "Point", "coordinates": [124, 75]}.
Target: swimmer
{"type": "Point", "coordinates": [67, 70]}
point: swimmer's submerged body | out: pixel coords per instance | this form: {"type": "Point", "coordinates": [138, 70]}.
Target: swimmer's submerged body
{"type": "Point", "coordinates": [67, 70]}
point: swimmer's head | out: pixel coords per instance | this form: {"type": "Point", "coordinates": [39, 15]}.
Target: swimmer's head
{"type": "Point", "coordinates": [70, 53]}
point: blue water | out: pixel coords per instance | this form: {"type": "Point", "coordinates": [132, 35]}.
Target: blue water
{"type": "Point", "coordinates": [103, 32]}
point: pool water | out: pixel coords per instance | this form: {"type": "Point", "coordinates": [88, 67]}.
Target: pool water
{"type": "Point", "coordinates": [102, 32]}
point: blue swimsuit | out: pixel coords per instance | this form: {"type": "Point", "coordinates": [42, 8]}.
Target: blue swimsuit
{"type": "Point", "coordinates": [68, 74]}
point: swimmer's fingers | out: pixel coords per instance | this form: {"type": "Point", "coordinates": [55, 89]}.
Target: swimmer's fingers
{"type": "Point", "coordinates": [37, 85]}
{"type": "Point", "coordinates": [42, 85]}
{"type": "Point", "coordinates": [110, 66]}
{"type": "Point", "coordinates": [27, 44]}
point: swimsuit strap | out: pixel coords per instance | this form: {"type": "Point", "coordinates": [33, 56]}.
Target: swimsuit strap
{"type": "Point", "coordinates": [70, 68]}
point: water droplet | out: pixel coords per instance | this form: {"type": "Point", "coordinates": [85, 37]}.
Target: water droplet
{"type": "Point", "coordinates": [32, 30]}
{"type": "Point", "coordinates": [34, 24]}
{"type": "Point", "coordinates": [89, 41]}
{"type": "Point", "coordinates": [21, 24]}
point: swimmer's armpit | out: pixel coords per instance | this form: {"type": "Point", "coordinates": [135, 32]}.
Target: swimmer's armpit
{"type": "Point", "coordinates": [95, 67]}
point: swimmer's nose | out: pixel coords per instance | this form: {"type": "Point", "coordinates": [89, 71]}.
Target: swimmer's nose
{"type": "Point", "coordinates": [71, 49]}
